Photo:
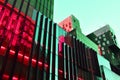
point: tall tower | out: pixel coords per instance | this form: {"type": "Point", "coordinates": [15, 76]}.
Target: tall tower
{"type": "Point", "coordinates": [46, 7]}
{"type": "Point", "coordinates": [26, 40]}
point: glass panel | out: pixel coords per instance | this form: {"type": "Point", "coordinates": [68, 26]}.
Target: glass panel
{"type": "Point", "coordinates": [56, 65]}
{"type": "Point", "coordinates": [108, 74]}
{"type": "Point", "coordinates": [37, 27]}
{"type": "Point", "coordinates": [42, 36]}
{"type": "Point", "coordinates": [18, 3]}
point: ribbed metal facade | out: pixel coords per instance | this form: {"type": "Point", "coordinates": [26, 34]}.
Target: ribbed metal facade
{"type": "Point", "coordinates": [46, 7]}
{"type": "Point", "coordinates": [78, 62]}
{"type": "Point", "coordinates": [28, 49]}
{"type": "Point", "coordinates": [33, 47]}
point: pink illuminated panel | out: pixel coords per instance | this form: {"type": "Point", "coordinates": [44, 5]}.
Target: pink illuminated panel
{"type": "Point", "coordinates": [20, 56]}
{"type": "Point", "coordinates": [61, 40]}
{"type": "Point", "coordinates": [66, 24]}
{"type": "Point", "coordinates": [11, 26]}
{"type": "Point", "coordinates": [99, 49]}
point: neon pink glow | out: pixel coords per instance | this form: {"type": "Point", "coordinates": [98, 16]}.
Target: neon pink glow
{"type": "Point", "coordinates": [61, 40]}
{"type": "Point", "coordinates": [80, 79]}
{"type": "Point", "coordinates": [14, 26]}
{"type": "Point", "coordinates": [26, 58]}
{"type": "Point", "coordinates": [6, 77]}
{"type": "Point", "coordinates": [99, 49]}
{"type": "Point", "coordinates": [60, 71]}
{"type": "Point", "coordinates": [66, 24]}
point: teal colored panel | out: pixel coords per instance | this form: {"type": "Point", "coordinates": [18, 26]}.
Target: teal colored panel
{"type": "Point", "coordinates": [50, 78]}
{"type": "Point", "coordinates": [24, 7]}
{"type": "Point", "coordinates": [34, 14]}
{"type": "Point", "coordinates": [47, 37]}
{"type": "Point", "coordinates": [18, 3]}
{"type": "Point", "coordinates": [87, 41]}
{"type": "Point", "coordinates": [103, 61]}
{"type": "Point", "coordinates": [32, 3]}
{"type": "Point", "coordinates": [56, 77]}
{"type": "Point", "coordinates": [51, 43]}
{"type": "Point", "coordinates": [109, 75]}
{"type": "Point", "coordinates": [57, 41]}
{"type": "Point", "coordinates": [42, 36]}
{"type": "Point", "coordinates": [37, 27]}
{"type": "Point", "coordinates": [11, 1]}
{"type": "Point", "coordinates": [50, 63]}
{"type": "Point", "coordinates": [56, 65]}
{"type": "Point", "coordinates": [64, 61]}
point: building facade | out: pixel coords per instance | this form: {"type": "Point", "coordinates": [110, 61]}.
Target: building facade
{"type": "Point", "coordinates": [33, 47]}
{"type": "Point", "coordinates": [105, 37]}
{"type": "Point", "coordinates": [46, 7]}
{"type": "Point", "coordinates": [72, 26]}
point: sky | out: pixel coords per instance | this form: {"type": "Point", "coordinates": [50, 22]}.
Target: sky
{"type": "Point", "coordinates": [92, 14]}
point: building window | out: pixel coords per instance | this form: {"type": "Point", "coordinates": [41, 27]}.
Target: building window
{"type": "Point", "coordinates": [98, 42]}
{"type": "Point", "coordinates": [103, 35]}
{"type": "Point", "coordinates": [63, 25]}
{"type": "Point", "coordinates": [103, 53]}
{"type": "Point", "coordinates": [113, 57]}
{"type": "Point", "coordinates": [66, 25]}
{"type": "Point", "coordinates": [103, 43]}
{"type": "Point", "coordinates": [96, 39]}
{"type": "Point", "coordinates": [100, 45]}
{"type": "Point", "coordinates": [69, 23]}
{"type": "Point", "coordinates": [108, 42]}
{"type": "Point", "coordinates": [99, 37]}
{"type": "Point", "coordinates": [104, 39]}
{"type": "Point", "coordinates": [102, 48]}
{"type": "Point", "coordinates": [74, 20]}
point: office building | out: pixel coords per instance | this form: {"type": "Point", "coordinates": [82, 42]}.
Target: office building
{"type": "Point", "coordinates": [46, 7]}
{"type": "Point", "coordinates": [106, 40]}
{"type": "Point", "coordinates": [33, 47]}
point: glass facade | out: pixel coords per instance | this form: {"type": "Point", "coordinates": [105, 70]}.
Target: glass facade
{"type": "Point", "coordinates": [107, 74]}
{"type": "Point", "coordinates": [33, 47]}
{"type": "Point", "coordinates": [46, 7]}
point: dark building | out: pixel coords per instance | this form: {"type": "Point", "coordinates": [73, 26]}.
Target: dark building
{"type": "Point", "coordinates": [106, 40]}
{"type": "Point", "coordinates": [78, 62]}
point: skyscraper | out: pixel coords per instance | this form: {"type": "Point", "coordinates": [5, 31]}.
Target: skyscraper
{"type": "Point", "coordinates": [46, 7]}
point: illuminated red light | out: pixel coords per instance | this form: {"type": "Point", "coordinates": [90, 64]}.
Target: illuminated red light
{"type": "Point", "coordinates": [14, 78]}
{"type": "Point", "coordinates": [13, 52]}
{"type": "Point", "coordinates": [26, 59]}
{"type": "Point", "coordinates": [13, 22]}
{"type": "Point", "coordinates": [6, 77]}
{"type": "Point", "coordinates": [60, 71]}
{"type": "Point", "coordinates": [61, 40]}
{"type": "Point", "coordinates": [3, 47]}
{"type": "Point", "coordinates": [80, 79]}
{"type": "Point", "coordinates": [99, 49]}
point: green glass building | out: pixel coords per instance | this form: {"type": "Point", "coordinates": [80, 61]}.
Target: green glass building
{"type": "Point", "coordinates": [46, 7]}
